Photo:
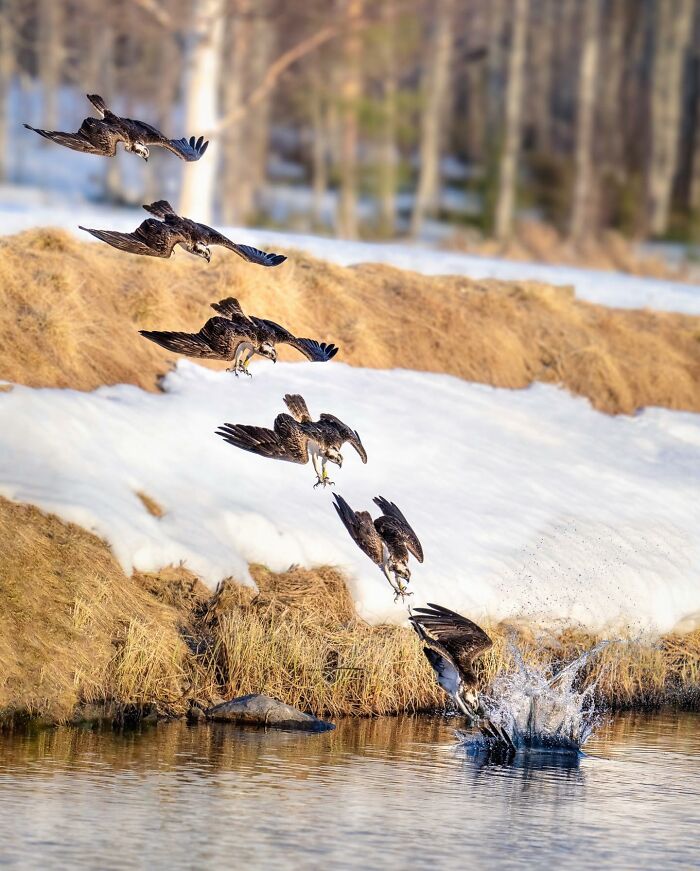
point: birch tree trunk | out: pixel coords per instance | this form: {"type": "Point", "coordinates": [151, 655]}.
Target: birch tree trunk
{"type": "Point", "coordinates": [508, 164]}
{"type": "Point", "coordinates": [319, 145]}
{"type": "Point", "coordinates": [672, 33]}
{"type": "Point", "coordinates": [202, 106]}
{"type": "Point", "coordinates": [435, 93]}
{"type": "Point", "coordinates": [584, 195]}
{"type": "Point", "coordinates": [387, 149]}
{"type": "Point", "coordinates": [347, 224]}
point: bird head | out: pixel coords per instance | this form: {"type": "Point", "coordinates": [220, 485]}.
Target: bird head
{"type": "Point", "coordinates": [468, 701]}
{"type": "Point", "coordinates": [333, 455]}
{"type": "Point", "coordinates": [267, 350]}
{"type": "Point", "coordinates": [201, 250]}
{"type": "Point", "coordinates": [142, 150]}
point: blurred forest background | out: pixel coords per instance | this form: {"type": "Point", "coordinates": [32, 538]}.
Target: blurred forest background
{"type": "Point", "coordinates": [465, 121]}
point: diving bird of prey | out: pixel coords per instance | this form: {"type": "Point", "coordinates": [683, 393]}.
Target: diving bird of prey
{"type": "Point", "coordinates": [236, 337]}
{"type": "Point", "coordinates": [387, 540]}
{"type": "Point", "coordinates": [451, 643]}
{"type": "Point", "coordinates": [102, 135]}
{"type": "Point", "coordinates": [295, 438]}
{"type": "Point", "coordinates": [158, 238]}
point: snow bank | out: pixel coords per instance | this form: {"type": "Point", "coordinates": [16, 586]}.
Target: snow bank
{"type": "Point", "coordinates": [21, 210]}
{"type": "Point", "coordinates": [528, 502]}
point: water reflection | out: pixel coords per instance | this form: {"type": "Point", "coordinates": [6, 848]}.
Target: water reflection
{"type": "Point", "coordinates": [383, 793]}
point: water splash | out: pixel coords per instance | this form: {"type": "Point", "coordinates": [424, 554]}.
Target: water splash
{"type": "Point", "coordinates": [538, 709]}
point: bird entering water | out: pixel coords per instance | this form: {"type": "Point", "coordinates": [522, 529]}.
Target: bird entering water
{"type": "Point", "coordinates": [386, 540]}
{"type": "Point", "coordinates": [102, 135]}
{"type": "Point", "coordinates": [451, 643]}
{"type": "Point", "coordinates": [295, 437]}
{"type": "Point", "coordinates": [236, 337]}
{"type": "Point", "coordinates": [158, 238]}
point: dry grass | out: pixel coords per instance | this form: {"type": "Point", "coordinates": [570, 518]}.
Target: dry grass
{"type": "Point", "coordinates": [70, 312]}
{"type": "Point", "coordinates": [75, 630]}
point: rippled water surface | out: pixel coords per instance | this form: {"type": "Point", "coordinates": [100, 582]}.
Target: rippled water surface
{"type": "Point", "coordinates": [391, 793]}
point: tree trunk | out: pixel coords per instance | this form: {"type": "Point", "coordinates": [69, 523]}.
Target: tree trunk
{"type": "Point", "coordinates": [319, 143]}
{"type": "Point", "coordinates": [673, 28]}
{"type": "Point", "coordinates": [387, 149]}
{"type": "Point", "coordinates": [508, 168]}
{"type": "Point", "coordinates": [494, 69]}
{"type": "Point", "coordinates": [435, 93]}
{"type": "Point", "coordinates": [542, 69]}
{"type": "Point", "coordinates": [202, 106]}
{"type": "Point", "coordinates": [235, 144]}
{"type": "Point", "coordinates": [258, 127]}
{"type": "Point", "coordinates": [50, 58]}
{"type": "Point", "coordinates": [349, 94]}
{"type": "Point", "coordinates": [7, 63]}
{"type": "Point", "coordinates": [581, 215]}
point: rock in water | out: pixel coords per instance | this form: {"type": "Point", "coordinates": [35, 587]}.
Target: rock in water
{"type": "Point", "coordinates": [259, 710]}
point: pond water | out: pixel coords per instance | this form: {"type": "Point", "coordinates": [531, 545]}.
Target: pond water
{"type": "Point", "coordinates": [388, 793]}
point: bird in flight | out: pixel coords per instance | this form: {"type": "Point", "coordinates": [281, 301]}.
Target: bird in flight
{"type": "Point", "coordinates": [387, 540]}
{"type": "Point", "coordinates": [295, 437]}
{"type": "Point", "coordinates": [451, 644]}
{"type": "Point", "coordinates": [102, 135]}
{"type": "Point", "coordinates": [234, 336]}
{"type": "Point", "coordinates": [158, 238]}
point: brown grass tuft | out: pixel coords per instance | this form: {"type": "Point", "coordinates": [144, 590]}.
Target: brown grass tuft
{"type": "Point", "coordinates": [150, 504]}
{"type": "Point", "coordinates": [74, 631]}
{"type": "Point", "coordinates": [70, 314]}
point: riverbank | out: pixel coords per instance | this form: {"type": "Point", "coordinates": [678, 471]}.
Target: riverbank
{"type": "Point", "coordinates": [77, 634]}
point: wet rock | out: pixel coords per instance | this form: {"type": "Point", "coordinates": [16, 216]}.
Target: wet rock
{"type": "Point", "coordinates": [259, 710]}
{"type": "Point", "coordinates": [195, 714]}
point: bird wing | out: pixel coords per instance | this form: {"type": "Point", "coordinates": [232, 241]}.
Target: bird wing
{"type": "Point", "coordinates": [317, 352]}
{"type": "Point", "coordinates": [152, 238]}
{"type": "Point", "coordinates": [347, 434]}
{"type": "Point", "coordinates": [217, 340]}
{"type": "Point", "coordinates": [359, 525]}
{"type": "Point", "coordinates": [210, 236]}
{"type": "Point", "coordinates": [161, 209]}
{"type": "Point", "coordinates": [186, 149]}
{"type": "Point", "coordinates": [297, 406]}
{"type": "Point", "coordinates": [77, 141]}
{"type": "Point", "coordinates": [285, 442]}
{"type": "Point", "coordinates": [408, 535]}
{"type": "Point", "coordinates": [453, 636]}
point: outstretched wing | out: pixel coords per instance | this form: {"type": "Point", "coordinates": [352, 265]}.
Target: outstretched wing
{"type": "Point", "coordinates": [161, 209]}
{"type": "Point", "coordinates": [285, 442]}
{"type": "Point", "coordinates": [297, 406]}
{"type": "Point", "coordinates": [317, 352]}
{"type": "Point", "coordinates": [77, 141]}
{"type": "Point", "coordinates": [452, 635]}
{"type": "Point", "coordinates": [347, 434]}
{"type": "Point", "coordinates": [253, 255]}
{"type": "Point", "coordinates": [151, 238]}
{"type": "Point", "coordinates": [359, 525]}
{"type": "Point", "coordinates": [217, 340]}
{"type": "Point", "coordinates": [186, 149]}
{"type": "Point", "coordinates": [409, 536]}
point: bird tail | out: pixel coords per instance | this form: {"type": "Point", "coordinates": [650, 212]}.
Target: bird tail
{"type": "Point", "coordinates": [98, 103]}
{"type": "Point", "coordinates": [228, 307]}
{"type": "Point", "coordinates": [297, 406]}
{"type": "Point", "coordinates": [161, 209]}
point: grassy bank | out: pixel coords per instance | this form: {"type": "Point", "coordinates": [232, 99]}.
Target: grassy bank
{"type": "Point", "coordinates": [71, 310]}
{"type": "Point", "coordinates": [76, 631]}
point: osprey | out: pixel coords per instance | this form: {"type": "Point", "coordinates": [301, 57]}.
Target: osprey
{"type": "Point", "coordinates": [237, 337]}
{"type": "Point", "coordinates": [386, 540]}
{"type": "Point", "coordinates": [295, 438]}
{"type": "Point", "coordinates": [158, 238]}
{"type": "Point", "coordinates": [102, 135]}
{"type": "Point", "coordinates": [451, 643]}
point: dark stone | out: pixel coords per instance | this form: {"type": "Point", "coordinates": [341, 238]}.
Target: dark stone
{"type": "Point", "coordinates": [259, 710]}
